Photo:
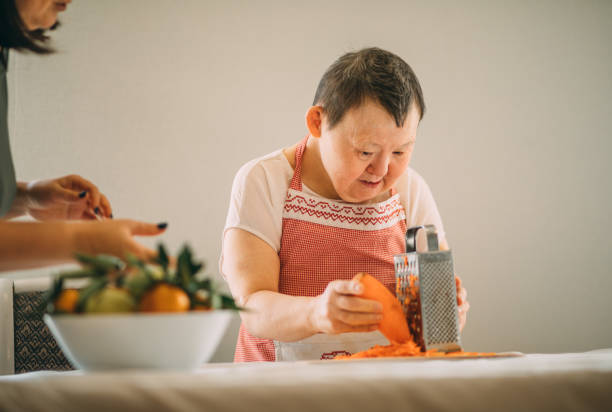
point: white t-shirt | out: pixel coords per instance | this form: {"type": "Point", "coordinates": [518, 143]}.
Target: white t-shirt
{"type": "Point", "coordinates": [260, 188]}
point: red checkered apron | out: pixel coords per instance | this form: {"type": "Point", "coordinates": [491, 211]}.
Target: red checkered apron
{"type": "Point", "coordinates": [323, 240]}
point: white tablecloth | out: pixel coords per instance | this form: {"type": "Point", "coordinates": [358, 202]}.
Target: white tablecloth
{"type": "Point", "coordinates": [559, 382]}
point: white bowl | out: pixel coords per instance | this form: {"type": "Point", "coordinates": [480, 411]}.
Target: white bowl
{"type": "Point", "coordinates": [139, 340]}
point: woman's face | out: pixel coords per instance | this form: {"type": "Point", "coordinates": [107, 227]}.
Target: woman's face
{"type": "Point", "coordinates": [40, 14]}
{"type": "Point", "coordinates": [365, 153]}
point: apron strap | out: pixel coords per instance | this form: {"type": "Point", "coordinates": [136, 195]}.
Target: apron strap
{"type": "Point", "coordinates": [296, 181]}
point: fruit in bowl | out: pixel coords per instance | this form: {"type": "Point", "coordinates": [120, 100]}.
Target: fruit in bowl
{"type": "Point", "coordinates": [137, 314]}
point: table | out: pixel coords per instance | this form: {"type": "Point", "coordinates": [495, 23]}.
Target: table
{"type": "Point", "coordinates": [559, 382]}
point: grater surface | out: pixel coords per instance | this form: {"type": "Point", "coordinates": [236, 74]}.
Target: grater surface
{"type": "Point", "coordinates": [438, 301]}
{"type": "Point", "coordinates": [425, 286]}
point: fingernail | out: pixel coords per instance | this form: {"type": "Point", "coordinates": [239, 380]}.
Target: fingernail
{"type": "Point", "coordinates": [82, 194]}
{"type": "Point", "coordinates": [357, 288]}
{"type": "Point", "coordinates": [162, 225]}
{"type": "Point", "coordinates": [111, 216]}
{"type": "Point", "coordinates": [97, 210]}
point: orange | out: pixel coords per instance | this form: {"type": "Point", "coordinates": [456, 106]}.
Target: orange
{"type": "Point", "coordinates": [67, 300]}
{"type": "Point", "coordinates": [164, 297]}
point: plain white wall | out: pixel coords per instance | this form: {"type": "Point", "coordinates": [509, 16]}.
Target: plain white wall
{"type": "Point", "coordinates": [160, 102]}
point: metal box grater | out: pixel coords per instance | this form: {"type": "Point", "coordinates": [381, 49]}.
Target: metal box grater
{"type": "Point", "coordinates": [425, 286]}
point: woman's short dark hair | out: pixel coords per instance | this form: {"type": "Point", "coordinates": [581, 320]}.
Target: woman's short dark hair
{"type": "Point", "coordinates": [15, 35]}
{"type": "Point", "coordinates": [370, 73]}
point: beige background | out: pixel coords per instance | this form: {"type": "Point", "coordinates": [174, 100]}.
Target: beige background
{"type": "Point", "coordinates": [160, 102]}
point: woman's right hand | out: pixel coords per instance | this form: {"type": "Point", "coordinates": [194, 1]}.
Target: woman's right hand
{"type": "Point", "coordinates": [114, 237]}
{"type": "Point", "coordinates": [339, 309]}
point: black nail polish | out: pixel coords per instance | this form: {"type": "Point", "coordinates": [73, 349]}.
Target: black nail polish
{"type": "Point", "coordinates": [82, 194]}
{"type": "Point", "coordinates": [111, 216]}
{"type": "Point", "coordinates": [97, 210]}
{"type": "Point", "coordinates": [162, 225]}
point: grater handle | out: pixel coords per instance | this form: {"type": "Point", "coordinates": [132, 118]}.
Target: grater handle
{"type": "Point", "coordinates": [432, 238]}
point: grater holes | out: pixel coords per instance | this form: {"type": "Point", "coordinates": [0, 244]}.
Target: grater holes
{"type": "Point", "coordinates": [438, 300]}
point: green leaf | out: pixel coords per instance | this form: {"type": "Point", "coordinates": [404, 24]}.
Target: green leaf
{"type": "Point", "coordinates": [194, 266]}
{"type": "Point", "coordinates": [162, 256]}
{"type": "Point", "coordinates": [216, 301]}
{"type": "Point", "coordinates": [101, 263]}
{"type": "Point", "coordinates": [96, 285]}
{"type": "Point", "coordinates": [227, 302]}
{"type": "Point", "coordinates": [162, 259]}
{"type": "Point", "coordinates": [204, 284]}
{"type": "Point", "coordinates": [48, 298]}
{"type": "Point", "coordinates": [81, 273]}
{"type": "Point", "coordinates": [134, 261]}
{"type": "Point", "coordinates": [184, 267]}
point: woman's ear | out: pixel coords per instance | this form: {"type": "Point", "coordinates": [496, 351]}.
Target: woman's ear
{"type": "Point", "coordinates": [314, 120]}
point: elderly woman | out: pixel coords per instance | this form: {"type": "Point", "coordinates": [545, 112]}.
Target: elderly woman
{"type": "Point", "coordinates": [304, 220]}
{"type": "Point", "coordinates": [51, 202]}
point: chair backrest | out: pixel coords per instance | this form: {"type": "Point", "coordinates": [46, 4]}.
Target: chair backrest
{"type": "Point", "coordinates": [7, 365]}
{"type": "Point", "coordinates": [34, 347]}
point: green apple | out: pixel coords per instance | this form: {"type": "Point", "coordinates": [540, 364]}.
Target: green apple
{"type": "Point", "coordinates": [110, 300]}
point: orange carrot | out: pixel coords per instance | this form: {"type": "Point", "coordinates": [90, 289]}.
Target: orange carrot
{"type": "Point", "coordinates": [393, 324]}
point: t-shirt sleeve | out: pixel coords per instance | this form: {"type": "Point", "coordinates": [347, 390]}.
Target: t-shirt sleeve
{"type": "Point", "coordinates": [419, 203]}
{"type": "Point", "coordinates": [255, 205]}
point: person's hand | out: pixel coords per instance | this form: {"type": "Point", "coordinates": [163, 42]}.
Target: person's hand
{"type": "Point", "coordinates": [339, 309]}
{"type": "Point", "coordinates": [115, 237]}
{"type": "Point", "coordinates": [69, 197]}
{"type": "Point", "coordinates": [462, 304]}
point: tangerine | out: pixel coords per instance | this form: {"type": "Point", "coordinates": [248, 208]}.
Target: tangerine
{"type": "Point", "coordinates": [164, 297]}
{"type": "Point", "coordinates": [67, 300]}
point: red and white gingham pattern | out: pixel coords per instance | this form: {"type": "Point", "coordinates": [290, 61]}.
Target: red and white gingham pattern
{"type": "Point", "coordinates": [313, 253]}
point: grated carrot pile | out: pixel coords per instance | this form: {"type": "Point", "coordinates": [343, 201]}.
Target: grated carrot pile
{"type": "Point", "coordinates": [408, 349]}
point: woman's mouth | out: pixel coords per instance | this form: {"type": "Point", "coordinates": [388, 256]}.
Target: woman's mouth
{"type": "Point", "coordinates": [60, 6]}
{"type": "Point", "coordinates": [370, 184]}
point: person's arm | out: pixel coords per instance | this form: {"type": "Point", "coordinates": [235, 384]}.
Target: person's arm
{"type": "Point", "coordinates": [25, 245]}
{"type": "Point", "coordinates": [19, 205]}
{"type": "Point", "coordinates": [252, 270]}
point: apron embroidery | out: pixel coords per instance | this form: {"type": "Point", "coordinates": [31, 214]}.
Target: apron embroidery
{"type": "Point", "coordinates": [323, 240]}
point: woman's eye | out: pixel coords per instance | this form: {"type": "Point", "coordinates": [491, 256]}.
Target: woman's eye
{"type": "Point", "coordinates": [366, 154]}
{"type": "Point", "coordinates": [398, 153]}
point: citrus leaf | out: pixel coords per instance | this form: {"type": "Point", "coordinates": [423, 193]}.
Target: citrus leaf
{"type": "Point", "coordinates": [80, 273]}
{"type": "Point", "coordinates": [48, 298]}
{"type": "Point", "coordinates": [102, 263]}
{"type": "Point", "coordinates": [134, 261]}
{"type": "Point", "coordinates": [227, 302]}
{"type": "Point", "coordinates": [216, 301]}
{"type": "Point", "coordinates": [96, 285]}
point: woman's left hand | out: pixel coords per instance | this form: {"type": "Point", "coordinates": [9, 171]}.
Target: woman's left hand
{"type": "Point", "coordinates": [462, 304]}
{"type": "Point", "coordinates": [70, 197]}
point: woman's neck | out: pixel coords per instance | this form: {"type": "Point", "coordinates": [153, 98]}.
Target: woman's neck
{"type": "Point", "coordinates": [314, 174]}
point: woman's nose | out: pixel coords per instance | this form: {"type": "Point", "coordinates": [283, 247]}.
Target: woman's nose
{"type": "Point", "coordinates": [379, 166]}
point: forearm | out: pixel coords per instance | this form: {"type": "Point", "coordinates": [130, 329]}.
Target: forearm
{"type": "Point", "coordinates": [273, 315]}
{"type": "Point", "coordinates": [20, 203]}
{"type": "Point", "coordinates": [25, 245]}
